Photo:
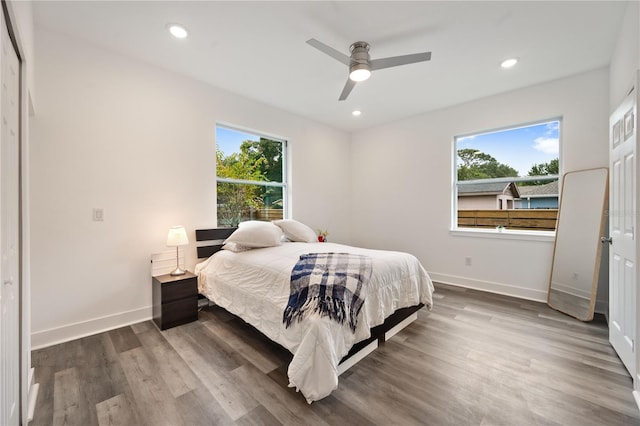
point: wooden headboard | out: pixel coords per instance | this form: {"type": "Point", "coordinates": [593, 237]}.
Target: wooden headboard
{"type": "Point", "coordinates": [215, 235]}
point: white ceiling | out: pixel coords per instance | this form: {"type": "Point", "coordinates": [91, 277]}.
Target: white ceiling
{"type": "Point", "coordinates": [258, 49]}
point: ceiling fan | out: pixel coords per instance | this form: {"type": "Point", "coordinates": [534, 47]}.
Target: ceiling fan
{"type": "Point", "coordinates": [360, 64]}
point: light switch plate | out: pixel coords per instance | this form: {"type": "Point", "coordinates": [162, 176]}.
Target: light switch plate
{"type": "Point", "coordinates": [98, 214]}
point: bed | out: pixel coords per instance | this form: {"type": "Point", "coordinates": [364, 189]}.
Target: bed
{"type": "Point", "coordinates": [254, 283]}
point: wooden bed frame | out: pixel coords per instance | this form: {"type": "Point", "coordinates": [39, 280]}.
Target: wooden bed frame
{"type": "Point", "coordinates": [210, 241]}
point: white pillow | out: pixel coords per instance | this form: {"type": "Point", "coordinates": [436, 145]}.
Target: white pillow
{"type": "Point", "coordinates": [297, 231]}
{"type": "Point", "coordinates": [254, 234]}
{"type": "Point", "coordinates": [236, 248]}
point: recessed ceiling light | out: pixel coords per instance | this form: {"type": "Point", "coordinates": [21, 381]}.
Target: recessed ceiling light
{"type": "Point", "coordinates": [177, 30]}
{"type": "Point", "coordinates": [356, 113]}
{"type": "Point", "coordinates": [508, 63]}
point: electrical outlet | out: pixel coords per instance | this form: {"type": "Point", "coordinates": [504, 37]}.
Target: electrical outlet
{"type": "Point", "coordinates": [467, 261]}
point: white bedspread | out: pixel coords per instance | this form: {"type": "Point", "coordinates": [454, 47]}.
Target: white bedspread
{"type": "Point", "coordinates": [255, 286]}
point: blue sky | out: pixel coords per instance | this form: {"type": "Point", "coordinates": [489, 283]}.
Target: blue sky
{"type": "Point", "coordinates": [519, 148]}
{"type": "Point", "coordinates": [228, 141]}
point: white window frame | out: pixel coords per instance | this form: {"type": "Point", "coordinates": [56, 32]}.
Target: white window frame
{"type": "Point", "coordinates": [285, 167]}
{"type": "Point", "coordinates": [529, 235]}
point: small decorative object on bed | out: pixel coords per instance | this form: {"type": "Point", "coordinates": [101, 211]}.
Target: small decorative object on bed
{"type": "Point", "coordinates": [322, 235]}
{"type": "Point", "coordinates": [257, 285]}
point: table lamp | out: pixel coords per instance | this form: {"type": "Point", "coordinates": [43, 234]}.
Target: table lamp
{"type": "Point", "coordinates": [177, 237]}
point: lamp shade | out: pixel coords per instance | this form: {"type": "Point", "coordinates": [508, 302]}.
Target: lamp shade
{"type": "Point", "coordinates": [177, 236]}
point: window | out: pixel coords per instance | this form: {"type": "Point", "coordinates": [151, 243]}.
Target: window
{"type": "Point", "coordinates": [250, 177]}
{"type": "Point", "coordinates": [508, 178]}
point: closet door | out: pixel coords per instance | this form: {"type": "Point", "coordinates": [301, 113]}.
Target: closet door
{"type": "Point", "coordinates": [10, 354]}
{"type": "Point", "coordinates": [623, 230]}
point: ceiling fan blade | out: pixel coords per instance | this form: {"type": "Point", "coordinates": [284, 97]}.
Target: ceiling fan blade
{"type": "Point", "coordinates": [347, 89]}
{"type": "Point", "coordinates": [329, 51]}
{"type": "Point", "coordinates": [394, 61]}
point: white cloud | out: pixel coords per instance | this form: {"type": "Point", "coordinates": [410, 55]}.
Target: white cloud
{"type": "Point", "coordinates": [465, 138]}
{"type": "Point", "coordinates": [547, 145]}
{"type": "Point", "coordinates": [552, 127]}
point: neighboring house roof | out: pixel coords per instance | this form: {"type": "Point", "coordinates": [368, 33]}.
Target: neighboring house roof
{"type": "Point", "coordinates": [487, 188]}
{"type": "Point", "coordinates": [548, 190]}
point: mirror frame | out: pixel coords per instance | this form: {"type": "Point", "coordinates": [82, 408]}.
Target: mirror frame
{"type": "Point", "coordinates": [564, 228]}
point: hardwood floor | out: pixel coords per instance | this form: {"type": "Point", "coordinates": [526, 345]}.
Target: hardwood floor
{"type": "Point", "coordinates": [475, 359]}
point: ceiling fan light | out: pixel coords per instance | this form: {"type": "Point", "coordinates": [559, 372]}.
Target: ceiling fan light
{"type": "Point", "coordinates": [360, 75]}
{"type": "Point", "coordinates": [359, 72]}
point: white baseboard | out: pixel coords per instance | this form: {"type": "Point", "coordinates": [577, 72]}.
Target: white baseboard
{"type": "Point", "coordinates": [33, 396]}
{"type": "Point", "coordinates": [636, 396]}
{"type": "Point", "coordinates": [602, 307]}
{"type": "Point", "coordinates": [572, 291]}
{"type": "Point", "coordinates": [65, 333]}
{"type": "Point", "coordinates": [491, 287]}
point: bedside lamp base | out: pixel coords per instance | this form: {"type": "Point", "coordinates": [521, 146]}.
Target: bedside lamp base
{"type": "Point", "coordinates": [178, 271]}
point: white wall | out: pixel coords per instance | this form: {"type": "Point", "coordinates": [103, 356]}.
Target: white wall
{"type": "Point", "coordinates": [625, 60]}
{"type": "Point", "coordinates": [402, 182]}
{"type": "Point", "coordinates": [118, 134]}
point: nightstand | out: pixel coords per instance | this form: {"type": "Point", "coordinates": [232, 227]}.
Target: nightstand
{"type": "Point", "coordinates": [175, 300]}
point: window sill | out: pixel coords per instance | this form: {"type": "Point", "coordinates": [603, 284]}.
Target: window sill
{"type": "Point", "coordinates": [543, 236]}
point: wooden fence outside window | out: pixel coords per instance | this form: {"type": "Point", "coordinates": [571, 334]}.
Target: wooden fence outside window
{"type": "Point", "coordinates": [267, 214]}
{"type": "Point", "coordinates": [538, 220]}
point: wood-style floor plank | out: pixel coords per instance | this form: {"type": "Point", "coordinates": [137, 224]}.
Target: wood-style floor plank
{"type": "Point", "coordinates": [70, 406]}
{"type": "Point", "coordinates": [116, 411]}
{"type": "Point", "coordinates": [174, 370]}
{"type": "Point", "coordinates": [123, 339]}
{"type": "Point", "coordinates": [475, 359]}
{"type": "Point", "coordinates": [245, 344]}
{"type": "Point", "coordinates": [150, 392]}
{"type": "Point", "coordinates": [197, 407]}
{"type": "Point", "coordinates": [259, 416]}
{"type": "Point", "coordinates": [270, 395]}
{"type": "Point", "coordinates": [234, 399]}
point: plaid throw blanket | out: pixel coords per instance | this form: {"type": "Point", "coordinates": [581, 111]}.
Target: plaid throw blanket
{"type": "Point", "coordinates": [329, 284]}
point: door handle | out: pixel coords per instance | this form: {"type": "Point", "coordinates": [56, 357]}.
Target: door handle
{"type": "Point", "coordinates": [8, 281]}
{"type": "Point", "coordinates": [605, 240]}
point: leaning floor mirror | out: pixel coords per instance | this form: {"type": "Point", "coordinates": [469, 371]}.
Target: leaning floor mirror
{"type": "Point", "coordinates": [578, 247]}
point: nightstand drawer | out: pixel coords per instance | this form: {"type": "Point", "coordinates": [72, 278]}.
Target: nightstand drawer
{"type": "Point", "coordinates": [179, 290]}
{"type": "Point", "coordinates": [179, 312]}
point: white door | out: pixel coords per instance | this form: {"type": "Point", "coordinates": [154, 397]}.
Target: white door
{"type": "Point", "coordinates": [9, 231]}
{"type": "Point", "coordinates": [622, 230]}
